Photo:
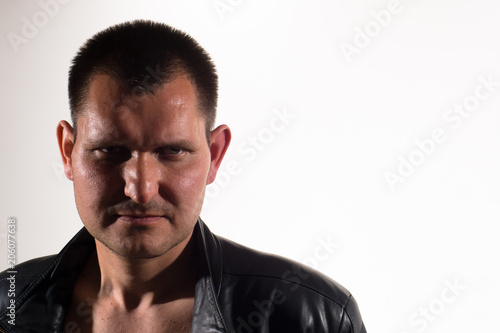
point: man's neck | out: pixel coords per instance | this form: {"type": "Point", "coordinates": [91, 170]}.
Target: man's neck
{"type": "Point", "coordinates": [148, 295]}
{"type": "Point", "coordinates": [140, 283]}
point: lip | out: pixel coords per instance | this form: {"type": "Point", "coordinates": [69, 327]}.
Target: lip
{"type": "Point", "coordinates": [140, 220]}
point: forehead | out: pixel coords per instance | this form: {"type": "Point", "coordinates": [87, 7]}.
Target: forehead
{"type": "Point", "coordinates": [115, 111]}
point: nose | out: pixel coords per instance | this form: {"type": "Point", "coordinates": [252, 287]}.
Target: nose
{"type": "Point", "coordinates": [142, 176]}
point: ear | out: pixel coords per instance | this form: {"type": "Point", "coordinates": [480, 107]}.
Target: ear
{"type": "Point", "coordinates": [65, 138]}
{"type": "Point", "coordinates": [219, 142]}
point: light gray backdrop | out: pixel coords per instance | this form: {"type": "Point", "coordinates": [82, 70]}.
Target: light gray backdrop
{"type": "Point", "coordinates": [366, 138]}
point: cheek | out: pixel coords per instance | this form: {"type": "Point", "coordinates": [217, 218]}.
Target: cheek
{"type": "Point", "coordinates": [191, 186]}
{"type": "Point", "coordinates": [91, 185]}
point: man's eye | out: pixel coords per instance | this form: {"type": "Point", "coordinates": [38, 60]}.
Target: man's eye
{"type": "Point", "coordinates": [114, 154]}
{"type": "Point", "coordinates": [112, 150]}
{"type": "Point", "coordinates": [171, 151]}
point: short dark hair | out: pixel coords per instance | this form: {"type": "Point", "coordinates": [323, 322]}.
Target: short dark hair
{"type": "Point", "coordinates": [144, 55]}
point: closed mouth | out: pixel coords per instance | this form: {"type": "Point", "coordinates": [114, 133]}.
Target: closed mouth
{"type": "Point", "coordinates": [139, 218]}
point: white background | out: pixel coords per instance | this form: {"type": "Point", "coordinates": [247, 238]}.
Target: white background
{"type": "Point", "coordinates": [322, 177]}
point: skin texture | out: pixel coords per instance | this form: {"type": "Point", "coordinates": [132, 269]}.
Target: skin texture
{"type": "Point", "coordinates": [139, 165]}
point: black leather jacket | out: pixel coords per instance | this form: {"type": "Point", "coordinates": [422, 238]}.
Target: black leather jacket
{"type": "Point", "coordinates": [238, 290]}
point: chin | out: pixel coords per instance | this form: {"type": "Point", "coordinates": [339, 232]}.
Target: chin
{"type": "Point", "coordinates": [139, 254]}
{"type": "Point", "coordinates": [139, 249]}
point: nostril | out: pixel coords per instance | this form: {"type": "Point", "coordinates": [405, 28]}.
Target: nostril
{"type": "Point", "coordinates": [141, 179]}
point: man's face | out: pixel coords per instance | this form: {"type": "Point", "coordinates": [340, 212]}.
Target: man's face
{"type": "Point", "coordinates": [140, 166]}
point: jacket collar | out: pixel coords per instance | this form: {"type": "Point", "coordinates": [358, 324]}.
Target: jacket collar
{"type": "Point", "coordinates": [207, 316]}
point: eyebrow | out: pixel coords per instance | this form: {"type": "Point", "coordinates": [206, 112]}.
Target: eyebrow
{"type": "Point", "coordinates": [106, 142]}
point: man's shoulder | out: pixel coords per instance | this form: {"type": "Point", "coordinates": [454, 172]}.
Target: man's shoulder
{"type": "Point", "coordinates": [244, 262]}
{"type": "Point", "coordinates": [30, 269]}
{"type": "Point", "coordinates": [23, 275]}
{"type": "Point", "coordinates": [297, 294]}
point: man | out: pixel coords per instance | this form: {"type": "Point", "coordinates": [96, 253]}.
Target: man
{"type": "Point", "coordinates": [140, 152]}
